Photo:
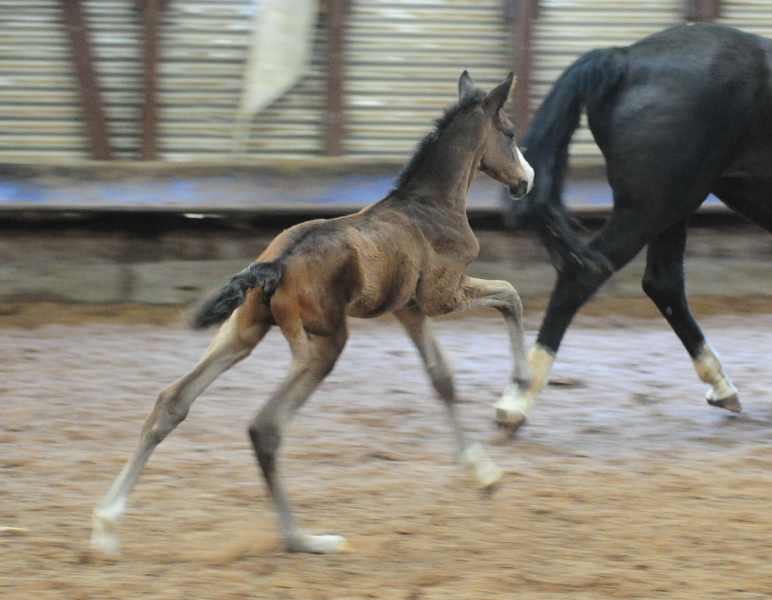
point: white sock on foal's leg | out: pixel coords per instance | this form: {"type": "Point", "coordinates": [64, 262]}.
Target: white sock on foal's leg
{"type": "Point", "coordinates": [484, 470]}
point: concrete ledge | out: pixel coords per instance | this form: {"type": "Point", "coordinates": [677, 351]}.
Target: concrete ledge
{"type": "Point", "coordinates": [183, 282]}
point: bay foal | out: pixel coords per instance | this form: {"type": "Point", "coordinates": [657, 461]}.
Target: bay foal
{"type": "Point", "coordinates": [404, 254]}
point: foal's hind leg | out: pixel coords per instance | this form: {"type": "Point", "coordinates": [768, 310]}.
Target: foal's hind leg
{"type": "Point", "coordinates": [313, 358]}
{"type": "Point", "coordinates": [419, 328]}
{"type": "Point", "coordinates": [233, 342]}
{"type": "Point", "coordinates": [664, 284]}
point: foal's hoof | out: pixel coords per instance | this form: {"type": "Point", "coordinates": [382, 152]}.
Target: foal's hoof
{"type": "Point", "coordinates": [318, 544]}
{"type": "Point", "coordinates": [730, 403]}
{"type": "Point", "coordinates": [483, 469]}
{"type": "Point", "coordinates": [103, 536]}
{"type": "Point", "coordinates": [512, 408]}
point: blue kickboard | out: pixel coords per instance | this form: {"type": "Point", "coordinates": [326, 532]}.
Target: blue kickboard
{"type": "Point", "coordinates": [245, 193]}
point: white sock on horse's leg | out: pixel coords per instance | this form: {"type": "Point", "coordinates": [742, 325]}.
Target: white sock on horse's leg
{"type": "Point", "coordinates": [515, 404]}
{"type": "Point", "coordinates": [721, 392]}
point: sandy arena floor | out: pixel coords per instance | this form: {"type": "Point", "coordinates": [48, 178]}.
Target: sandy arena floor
{"type": "Point", "coordinates": [624, 484]}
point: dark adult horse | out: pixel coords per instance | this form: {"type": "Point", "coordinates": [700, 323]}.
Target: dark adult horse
{"type": "Point", "coordinates": [677, 115]}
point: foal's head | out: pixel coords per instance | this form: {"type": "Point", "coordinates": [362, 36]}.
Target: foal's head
{"type": "Point", "coordinates": [501, 158]}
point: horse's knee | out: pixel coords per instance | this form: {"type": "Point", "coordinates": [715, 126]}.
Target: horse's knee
{"type": "Point", "coordinates": [517, 303]}
{"type": "Point", "coordinates": [511, 303]}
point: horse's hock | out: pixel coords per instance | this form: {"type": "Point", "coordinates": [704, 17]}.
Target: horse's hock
{"type": "Point", "coordinates": [166, 260]}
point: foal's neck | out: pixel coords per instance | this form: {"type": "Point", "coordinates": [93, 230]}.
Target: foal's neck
{"type": "Point", "coordinates": [446, 174]}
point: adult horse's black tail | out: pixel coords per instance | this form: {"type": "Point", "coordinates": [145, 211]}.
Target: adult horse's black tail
{"type": "Point", "coordinates": [219, 306]}
{"type": "Point", "coordinates": [590, 79]}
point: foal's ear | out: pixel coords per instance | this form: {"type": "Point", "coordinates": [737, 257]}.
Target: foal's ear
{"type": "Point", "coordinates": [465, 85]}
{"type": "Point", "coordinates": [500, 94]}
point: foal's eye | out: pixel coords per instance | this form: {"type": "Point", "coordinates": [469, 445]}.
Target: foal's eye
{"type": "Point", "coordinates": [510, 134]}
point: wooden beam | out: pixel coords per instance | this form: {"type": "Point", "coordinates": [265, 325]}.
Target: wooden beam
{"type": "Point", "coordinates": [150, 10]}
{"type": "Point", "coordinates": [703, 10]}
{"type": "Point", "coordinates": [335, 111]}
{"type": "Point", "coordinates": [520, 15]}
{"type": "Point", "coordinates": [90, 101]}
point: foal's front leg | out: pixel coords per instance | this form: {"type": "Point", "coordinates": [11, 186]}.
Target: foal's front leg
{"type": "Point", "coordinates": [419, 329]}
{"type": "Point", "coordinates": [515, 403]}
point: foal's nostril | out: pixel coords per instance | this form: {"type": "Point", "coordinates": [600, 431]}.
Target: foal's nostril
{"type": "Point", "coordinates": [520, 189]}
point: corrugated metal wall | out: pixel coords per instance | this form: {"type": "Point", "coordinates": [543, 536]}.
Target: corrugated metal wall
{"type": "Point", "coordinates": [566, 29]}
{"type": "Point", "coordinates": [38, 96]}
{"type": "Point", "coordinates": [202, 54]}
{"type": "Point", "coordinates": [754, 16]}
{"type": "Point", "coordinates": [204, 49]}
{"type": "Point", "coordinates": [404, 58]}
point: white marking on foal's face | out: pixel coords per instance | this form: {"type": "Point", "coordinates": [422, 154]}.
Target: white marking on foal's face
{"type": "Point", "coordinates": [527, 169]}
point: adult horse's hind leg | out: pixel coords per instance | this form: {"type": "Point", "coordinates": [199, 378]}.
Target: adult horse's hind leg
{"type": "Point", "coordinates": [419, 329]}
{"type": "Point", "coordinates": [664, 284]}
{"type": "Point", "coordinates": [235, 340]}
{"type": "Point", "coordinates": [314, 356]}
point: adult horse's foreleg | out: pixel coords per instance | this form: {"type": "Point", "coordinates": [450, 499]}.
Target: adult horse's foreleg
{"type": "Point", "coordinates": [620, 239]}
{"type": "Point", "coordinates": [232, 343]}
{"type": "Point", "coordinates": [418, 327]}
{"type": "Point", "coordinates": [314, 356]}
{"type": "Point", "coordinates": [663, 282]}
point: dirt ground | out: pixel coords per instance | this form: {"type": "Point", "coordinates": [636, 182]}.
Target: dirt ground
{"type": "Point", "coordinates": [624, 483]}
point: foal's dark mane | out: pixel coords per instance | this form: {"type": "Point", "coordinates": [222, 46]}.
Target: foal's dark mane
{"type": "Point", "coordinates": [423, 147]}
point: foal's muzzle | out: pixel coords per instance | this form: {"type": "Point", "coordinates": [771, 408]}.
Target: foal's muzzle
{"type": "Point", "coordinates": [519, 190]}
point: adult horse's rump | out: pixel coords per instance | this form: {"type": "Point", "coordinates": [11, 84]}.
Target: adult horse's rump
{"type": "Point", "coordinates": [678, 115]}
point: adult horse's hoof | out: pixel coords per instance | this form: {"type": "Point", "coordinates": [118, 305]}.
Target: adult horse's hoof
{"type": "Point", "coordinates": [731, 403]}
{"type": "Point", "coordinates": [318, 544]}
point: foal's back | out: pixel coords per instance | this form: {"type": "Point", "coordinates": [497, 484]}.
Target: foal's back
{"type": "Point", "coordinates": [377, 260]}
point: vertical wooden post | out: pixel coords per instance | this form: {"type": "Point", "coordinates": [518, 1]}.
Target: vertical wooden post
{"type": "Point", "coordinates": [90, 100]}
{"type": "Point", "coordinates": [150, 10]}
{"type": "Point", "coordinates": [335, 116]}
{"type": "Point", "coordinates": [520, 15]}
{"type": "Point", "coordinates": [703, 10]}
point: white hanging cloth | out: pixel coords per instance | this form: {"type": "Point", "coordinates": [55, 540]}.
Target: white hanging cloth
{"type": "Point", "coordinates": [279, 52]}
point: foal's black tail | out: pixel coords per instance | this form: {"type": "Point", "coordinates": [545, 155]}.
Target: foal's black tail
{"type": "Point", "coordinates": [219, 306]}
{"type": "Point", "coordinates": [590, 79]}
